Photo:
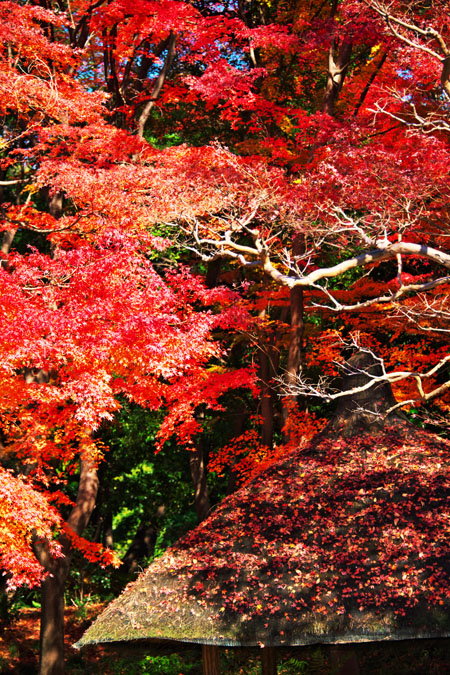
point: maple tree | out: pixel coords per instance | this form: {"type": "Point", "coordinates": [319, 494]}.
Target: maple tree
{"type": "Point", "coordinates": [302, 148]}
{"type": "Point", "coordinates": [86, 317]}
{"type": "Point", "coordinates": [367, 191]}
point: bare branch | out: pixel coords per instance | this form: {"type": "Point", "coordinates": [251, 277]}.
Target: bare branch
{"type": "Point", "coordinates": [396, 23]}
{"type": "Point", "coordinates": [323, 390]}
{"type": "Point", "coordinates": [389, 252]}
{"type": "Point", "coordinates": [5, 183]}
{"type": "Point", "coordinates": [428, 315]}
{"type": "Point", "coordinates": [390, 298]}
{"type": "Point", "coordinates": [209, 243]}
{"type": "Point", "coordinates": [430, 124]}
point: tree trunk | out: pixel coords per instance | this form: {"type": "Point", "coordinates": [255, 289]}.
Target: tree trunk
{"type": "Point", "coordinates": [140, 549]}
{"type": "Point", "coordinates": [158, 85]}
{"type": "Point", "coordinates": [8, 238]}
{"type": "Point", "coordinates": [142, 546]}
{"type": "Point", "coordinates": [268, 369]}
{"type": "Point", "coordinates": [198, 474]}
{"type": "Point", "coordinates": [370, 81]}
{"type": "Point", "coordinates": [52, 620]}
{"type": "Point", "coordinates": [108, 534]}
{"type": "Point", "coordinates": [52, 589]}
{"type": "Point", "coordinates": [55, 205]}
{"type": "Point", "coordinates": [268, 661]}
{"type": "Point", "coordinates": [210, 655]}
{"type": "Point", "coordinates": [295, 349]}
{"type": "Point", "coordinates": [213, 273]}
{"type": "Point", "coordinates": [338, 63]}
{"type": "Point", "coordinates": [265, 373]}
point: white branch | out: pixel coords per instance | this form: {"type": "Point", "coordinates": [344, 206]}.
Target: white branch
{"type": "Point", "coordinates": [323, 391]}
{"type": "Point", "coordinates": [394, 22]}
{"type": "Point", "coordinates": [377, 255]}
{"type": "Point", "coordinates": [391, 298]}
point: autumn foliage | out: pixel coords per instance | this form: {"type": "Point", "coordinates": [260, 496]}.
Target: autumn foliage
{"type": "Point", "coordinates": [203, 203]}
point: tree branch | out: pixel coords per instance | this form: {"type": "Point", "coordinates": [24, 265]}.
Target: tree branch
{"type": "Point", "coordinates": [158, 85]}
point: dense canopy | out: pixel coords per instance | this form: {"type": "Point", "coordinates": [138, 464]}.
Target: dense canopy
{"type": "Point", "coordinates": [205, 207]}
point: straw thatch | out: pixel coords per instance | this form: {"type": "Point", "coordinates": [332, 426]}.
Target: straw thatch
{"type": "Point", "coordinates": [345, 540]}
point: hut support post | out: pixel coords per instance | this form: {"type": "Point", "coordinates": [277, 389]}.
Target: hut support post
{"type": "Point", "coordinates": [268, 661]}
{"type": "Point", "coordinates": [344, 661]}
{"type": "Point", "coordinates": [210, 655]}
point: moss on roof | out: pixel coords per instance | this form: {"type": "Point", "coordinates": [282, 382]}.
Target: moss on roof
{"type": "Point", "coordinates": [345, 540]}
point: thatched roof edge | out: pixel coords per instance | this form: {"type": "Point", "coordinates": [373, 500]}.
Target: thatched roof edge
{"type": "Point", "coordinates": [306, 641]}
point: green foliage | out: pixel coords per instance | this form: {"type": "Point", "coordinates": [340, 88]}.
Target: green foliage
{"type": "Point", "coordinates": [193, 124]}
{"type": "Point", "coordinates": [167, 141]}
{"type": "Point", "coordinates": [82, 608]}
{"type": "Point", "coordinates": [169, 664]}
{"type": "Point", "coordinates": [294, 666]}
{"type": "Point", "coordinates": [13, 604]}
{"type": "Point", "coordinates": [13, 649]}
{"type": "Point", "coordinates": [139, 485]}
{"type": "Point", "coordinates": [170, 531]}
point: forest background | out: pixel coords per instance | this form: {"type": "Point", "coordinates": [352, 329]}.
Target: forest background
{"type": "Point", "coordinates": [206, 208]}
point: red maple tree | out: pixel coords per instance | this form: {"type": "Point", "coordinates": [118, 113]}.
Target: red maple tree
{"type": "Point", "coordinates": [311, 154]}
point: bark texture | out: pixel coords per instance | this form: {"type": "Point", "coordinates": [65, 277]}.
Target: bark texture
{"type": "Point", "coordinates": [363, 410]}
{"type": "Point", "coordinates": [198, 474]}
{"type": "Point", "coordinates": [268, 661]}
{"type": "Point", "coordinates": [296, 336]}
{"type": "Point", "coordinates": [338, 63]}
{"type": "Point", "coordinates": [159, 83]}
{"type": "Point", "coordinates": [52, 591]}
{"type": "Point", "coordinates": [210, 655]}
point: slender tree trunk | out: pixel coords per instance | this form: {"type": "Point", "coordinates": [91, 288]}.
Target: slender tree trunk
{"type": "Point", "coordinates": [52, 590]}
{"type": "Point", "coordinates": [267, 408]}
{"type": "Point", "coordinates": [159, 83]}
{"type": "Point", "coordinates": [198, 474]}
{"type": "Point", "coordinates": [8, 238]}
{"type": "Point", "coordinates": [268, 367]}
{"type": "Point", "coordinates": [296, 336]}
{"type": "Point", "coordinates": [52, 607]}
{"type": "Point", "coordinates": [108, 535]}
{"type": "Point", "coordinates": [269, 359]}
{"type": "Point", "coordinates": [370, 81]}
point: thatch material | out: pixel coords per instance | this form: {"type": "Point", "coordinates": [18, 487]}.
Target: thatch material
{"type": "Point", "coordinates": [345, 540]}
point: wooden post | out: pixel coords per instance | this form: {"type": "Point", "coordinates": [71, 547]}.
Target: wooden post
{"type": "Point", "coordinates": [210, 655]}
{"type": "Point", "coordinates": [344, 661]}
{"type": "Point", "coordinates": [350, 665]}
{"type": "Point", "coordinates": [268, 661]}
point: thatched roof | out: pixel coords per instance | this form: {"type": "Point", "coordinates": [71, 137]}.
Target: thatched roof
{"type": "Point", "coordinates": [345, 540]}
